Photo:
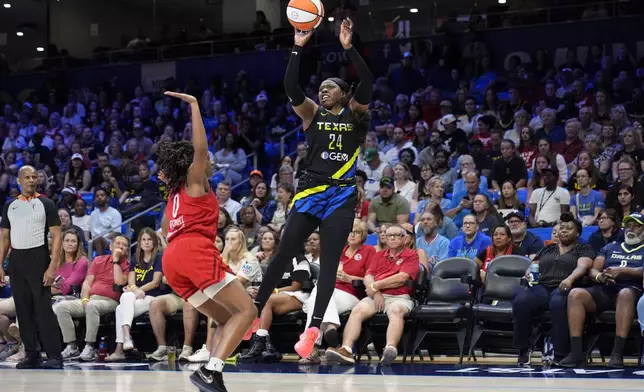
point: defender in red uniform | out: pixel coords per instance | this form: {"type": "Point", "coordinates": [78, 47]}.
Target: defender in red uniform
{"type": "Point", "coordinates": [191, 263]}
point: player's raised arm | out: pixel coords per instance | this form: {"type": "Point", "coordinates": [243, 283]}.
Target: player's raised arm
{"type": "Point", "coordinates": [200, 160]}
{"type": "Point", "coordinates": [304, 107]}
{"type": "Point", "coordinates": [364, 91]}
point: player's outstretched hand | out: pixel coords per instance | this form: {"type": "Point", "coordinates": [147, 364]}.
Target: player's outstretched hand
{"type": "Point", "coordinates": [302, 37]}
{"type": "Point", "coordinates": [346, 33]}
{"type": "Point", "coordinates": [184, 97]}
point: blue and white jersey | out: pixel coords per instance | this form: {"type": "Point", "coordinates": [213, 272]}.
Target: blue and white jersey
{"type": "Point", "coordinates": [623, 255]}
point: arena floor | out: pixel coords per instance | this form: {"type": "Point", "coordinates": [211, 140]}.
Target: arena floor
{"type": "Point", "coordinates": [291, 377]}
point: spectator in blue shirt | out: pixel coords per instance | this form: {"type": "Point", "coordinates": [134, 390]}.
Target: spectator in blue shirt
{"type": "Point", "coordinates": [526, 242]}
{"type": "Point", "coordinates": [466, 163]}
{"type": "Point", "coordinates": [470, 242]}
{"type": "Point", "coordinates": [587, 203]}
{"type": "Point", "coordinates": [462, 203]}
{"type": "Point", "coordinates": [435, 245]}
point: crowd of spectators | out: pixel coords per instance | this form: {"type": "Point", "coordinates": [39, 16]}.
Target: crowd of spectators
{"type": "Point", "coordinates": [450, 167]}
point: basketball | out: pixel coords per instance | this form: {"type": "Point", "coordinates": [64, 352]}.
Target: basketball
{"type": "Point", "coordinates": [305, 15]}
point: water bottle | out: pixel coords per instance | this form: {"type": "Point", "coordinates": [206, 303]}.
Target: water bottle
{"type": "Point", "coordinates": [534, 274]}
{"type": "Point", "coordinates": [102, 349]}
{"type": "Point", "coordinates": [172, 353]}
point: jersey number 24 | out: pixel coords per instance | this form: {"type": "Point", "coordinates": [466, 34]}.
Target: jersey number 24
{"type": "Point", "coordinates": [335, 141]}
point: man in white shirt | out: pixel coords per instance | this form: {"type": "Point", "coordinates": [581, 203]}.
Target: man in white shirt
{"type": "Point", "coordinates": [375, 169]}
{"type": "Point", "coordinates": [102, 220]}
{"type": "Point", "coordinates": [400, 143]}
{"type": "Point", "coordinates": [225, 202]}
{"type": "Point", "coordinates": [548, 203]}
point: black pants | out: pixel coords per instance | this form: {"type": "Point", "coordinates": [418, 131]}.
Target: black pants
{"type": "Point", "coordinates": [334, 231]}
{"type": "Point", "coordinates": [33, 302]}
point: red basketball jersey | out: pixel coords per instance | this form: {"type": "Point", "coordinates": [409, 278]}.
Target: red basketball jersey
{"type": "Point", "coordinates": [198, 215]}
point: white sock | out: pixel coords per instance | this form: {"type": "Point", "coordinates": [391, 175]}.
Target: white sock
{"type": "Point", "coordinates": [162, 347]}
{"type": "Point", "coordinates": [262, 332]}
{"type": "Point", "coordinates": [215, 364]}
{"type": "Point", "coordinates": [349, 349]}
{"type": "Point", "coordinates": [186, 348]}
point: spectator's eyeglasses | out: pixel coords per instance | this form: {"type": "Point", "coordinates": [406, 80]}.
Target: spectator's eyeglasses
{"type": "Point", "coordinates": [356, 232]}
{"type": "Point", "coordinates": [469, 223]}
{"type": "Point", "coordinates": [394, 236]}
{"type": "Point", "coordinates": [514, 222]}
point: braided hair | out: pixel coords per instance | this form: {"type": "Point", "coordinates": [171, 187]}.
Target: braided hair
{"type": "Point", "coordinates": [361, 121]}
{"type": "Point", "coordinates": [174, 160]}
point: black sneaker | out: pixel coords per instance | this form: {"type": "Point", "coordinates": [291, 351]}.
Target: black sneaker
{"type": "Point", "coordinates": [572, 361]}
{"type": "Point", "coordinates": [524, 358]}
{"type": "Point", "coordinates": [208, 380]}
{"type": "Point", "coordinates": [29, 363]}
{"type": "Point", "coordinates": [53, 364]}
{"type": "Point", "coordinates": [616, 361]}
{"type": "Point", "coordinates": [270, 353]}
{"type": "Point", "coordinates": [254, 353]}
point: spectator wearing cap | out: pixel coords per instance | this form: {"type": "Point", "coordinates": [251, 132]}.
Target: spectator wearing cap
{"type": "Point", "coordinates": [69, 196]}
{"type": "Point", "coordinates": [387, 207]}
{"type": "Point", "coordinates": [549, 202]}
{"type": "Point", "coordinates": [524, 241]}
{"type": "Point", "coordinates": [587, 203]}
{"type": "Point", "coordinates": [572, 145]}
{"type": "Point", "coordinates": [510, 167]}
{"type": "Point", "coordinates": [470, 240]}
{"type": "Point", "coordinates": [405, 79]}
{"type": "Point", "coordinates": [452, 136]}
{"type": "Point", "coordinates": [400, 143]}
{"type": "Point", "coordinates": [78, 176]}
{"type": "Point", "coordinates": [231, 158]}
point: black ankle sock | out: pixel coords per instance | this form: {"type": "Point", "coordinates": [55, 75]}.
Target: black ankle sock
{"type": "Point", "coordinates": [331, 338]}
{"type": "Point", "coordinates": [315, 322]}
{"type": "Point", "coordinates": [618, 346]}
{"type": "Point", "coordinates": [576, 346]}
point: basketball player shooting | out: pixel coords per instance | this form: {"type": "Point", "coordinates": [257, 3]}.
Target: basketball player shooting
{"type": "Point", "coordinates": [326, 196]}
{"type": "Point", "coordinates": [191, 263]}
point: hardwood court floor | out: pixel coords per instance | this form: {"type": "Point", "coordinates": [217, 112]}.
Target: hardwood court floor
{"type": "Point", "coordinates": [289, 377]}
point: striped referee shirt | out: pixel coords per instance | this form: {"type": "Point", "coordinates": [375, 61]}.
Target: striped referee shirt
{"type": "Point", "coordinates": [29, 220]}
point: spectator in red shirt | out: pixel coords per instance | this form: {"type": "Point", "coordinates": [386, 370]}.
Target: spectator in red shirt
{"type": "Point", "coordinates": [386, 293]}
{"type": "Point", "coordinates": [98, 297]}
{"type": "Point", "coordinates": [572, 145]}
{"type": "Point", "coordinates": [354, 262]}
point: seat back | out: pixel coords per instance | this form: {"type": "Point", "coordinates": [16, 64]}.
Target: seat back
{"type": "Point", "coordinates": [419, 286]}
{"type": "Point", "coordinates": [315, 272]}
{"type": "Point", "coordinates": [504, 274]}
{"type": "Point", "coordinates": [447, 283]}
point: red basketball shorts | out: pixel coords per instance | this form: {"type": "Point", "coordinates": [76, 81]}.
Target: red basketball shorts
{"type": "Point", "coordinates": [191, 263]}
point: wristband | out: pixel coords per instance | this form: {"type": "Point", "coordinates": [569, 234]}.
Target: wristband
{"type": "Point", "coordinates": [373, 286]}
{"type": "Point", "coordinates": [133, 288]}
{"type": "Point", "coordinates": [597, 277]}
{"type": "Point", "coordinates": [84, 300]}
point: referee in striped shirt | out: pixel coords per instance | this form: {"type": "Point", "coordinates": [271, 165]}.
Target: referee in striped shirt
{"type": "Point", "coordinates": [26, 221]}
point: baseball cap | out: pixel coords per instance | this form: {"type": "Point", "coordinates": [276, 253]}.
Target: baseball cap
{"type": "Point", "coordinates": [71, 190]}
{"type": "Point", "coordinates": [256, 173]}
{"type": "Point", "coordinates": [552, 170]}
{"type": "Point", "coordinates": [446, 103]}
{"type": "Point", "coordinates": [407, 55]}
{"type": "Point", "coordinates": [370, 153]}
{"type": "Point", "coordinates": [387, 181]}
{"type": "Point", "coordinates": [515, 214]}
{"type": "Point", "coordinates": [636, 216]}
{"type": "Point", "coordinates": [77, 156]}
{"type": "Point", "coordinates": [261, 97]}
{"type": "Point", "coordinates": [448, 119]}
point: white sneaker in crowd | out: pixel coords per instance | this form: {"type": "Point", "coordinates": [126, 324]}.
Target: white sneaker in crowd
{"type": "Point", "coordinates": [202, 355]}
{"type": "Point", "coordinates": [186, 352]}
{"type": "Point", "coordinates": [89, 354]}
{"type": "Point", "coordinates": [70, 353]}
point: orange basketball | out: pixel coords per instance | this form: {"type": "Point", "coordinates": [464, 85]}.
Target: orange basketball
{"type": "Point", "coordinates": [305, 15]}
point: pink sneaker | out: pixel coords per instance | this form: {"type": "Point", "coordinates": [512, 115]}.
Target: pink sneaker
{"type": "Point", "coordinates": [253, 328]}
{"type": "Point", "coordinates": [305, 346]}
